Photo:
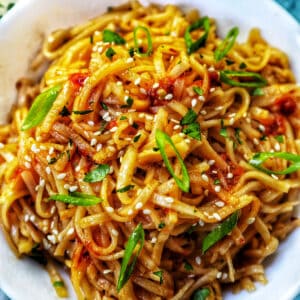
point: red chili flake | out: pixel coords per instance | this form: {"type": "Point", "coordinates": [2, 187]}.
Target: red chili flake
{"type": "Point", "coordinates": [286, 104]}
{"type": "Point", "coordinates": [111, 124]}
{"type": "Point", "coordinates": [78, 79]}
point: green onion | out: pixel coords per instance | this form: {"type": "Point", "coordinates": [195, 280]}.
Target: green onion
{"type": "Point", "coordinates": [58, 284]}
{"type": "Point", "coordinates": [97, 174]}
{"type": "Point", "coordinates": [279, 138]}
{"type": "Point", "coordinates": [135, 125]}
{"type": "Point", "coordinates": [131, 52]}
{"type": "Point", "coordinates": [82, 112]}
{"type": "Point", "coordinates": [161, 140]}
{"type": "Point", "coordinates": [187, 266]}
{"type": "Point", "coordinates": [149, 40]}
{"type": "Point", "coordinates": [198, 90]}
{"type": "Point", "coordinates": [226, 44]}
{"type": "Point", "coordinates": [193, 130]}
{"type": "Point", "coordinates": [123, 118]}
{"type": "Point", "coordinates": [161, 225]}
{"type": "Point", "coordinates": [102, 126]}
{"type": "Point", "coordinates": [112, 37]}
{"type": "Point", "coordinates": [259, 158]}
{"type": "Point", "coordinates": [129, 102]}
{"type": "Point", "coordinates": [104, 106]}
{"type": "Point", "coordinates": [110, 52]}
{"type": "Point", "coordinates": [65, 112]}
{"type": "Point", "coordinates": [217, 181]}
{"type": "Point", "coordinates": [77, 198]}
{"type": "Point", "coordinates": [237, 135]}
{"type": "Point", "coordinates": [219, 232]}
{"type": "Point", "coordinates": [40, 107]}
{"type": "Point", "coordinates": [136, 138]}
{"type": "Point", "coordinates": [189, 118]}
{"type": "Point", "coordinates": [258, 82]}
{"type": "Point", "coordinates": [191, 45]}
{"type": "Point", "coordinates": [160, 275]}
{"type": "Point", "coordinates": [242, 65]}
{"type": "Point", "coordinates": [257, 92]}
{"type": "Point", "coordinates": [137, 236]}
{"type": "Point", "coordinates": [125, 188]}
{"type": "Point", "coordinates": [223, 130]}
{"type": "Point", "coordinates": [201, 294]}
{"type": "Point", "coordinates": [229, 62]}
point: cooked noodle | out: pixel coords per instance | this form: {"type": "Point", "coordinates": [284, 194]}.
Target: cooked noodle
{"type": "Point", "coordinates": [109, 109]}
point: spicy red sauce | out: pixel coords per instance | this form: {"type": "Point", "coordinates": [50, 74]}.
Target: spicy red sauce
{"type": "Point", "coordinates": [78, 79]}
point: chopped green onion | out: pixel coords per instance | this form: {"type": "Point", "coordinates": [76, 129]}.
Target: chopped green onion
{"type": "Point", "coordinates": [58, 284]}
{"type": "Point", "coordinates": [160, 275]}
{"type": "Point", "coordinates": [110, 52]}
{"type": "Point", "coordinates": [64, 112]}
{"type": "Point", "coordinates": [226, 74]}
{"type": "Point", "coordinates": [131, 52]}
{"type": "Point", "coordinates": [187, 266]}
{"type": "Point", "coordinates": [226, 44]}
{"type": "Point", "coordinates": [55, 159]}
{"type": "Point", "coordinates": [137, 236]}
{"type": "Point", "coordinates": [219, 232]}
{"type": "Point", "coordinates": [97, 174]}
{"type": "Point", "coordinates": [102, 126]}
{"type": "Point", "coordinates": [198, 90]}
{"type": "Point", "coordinates": [189, 118]}
{"type": "Point", "coordinates": [237, 135]}
{"type": "Point", "coordinates": [149, 40]}
{"type": "Point", "coordinates": [229, 62]}
{"type": "Point", "coordinates": [112, 37]}
{"type": "Point", "coordinates": [104, 106]}
{"type": "Point", "coordinates": [193, 46]}
{"type": "Point", "coordinates": [201, 294]}
{"type": "Point", "coordinates": [135, 125]}
{"type": "Point", "coordinates": [193, 130]}
{"type": "Point", "coordinates": [40, 107]}
{"type": "Point", "coordinates": [161, 225]}
{"type": "Point", "coordinates": [279, 138]}
{"type": "Point", "coordinates": [77, 198]}
{"type": "Point", "coordinates": [125, 188]}
{"type": "Point", "coordinates": [123, 118]}
{"type": "Point", "coordinates": [82, 112]}
{"type": "Point", "coordinates": [136, 138]}
{"type": "Point", "coordinates": [217, 181]}
{"type": "Point", "coordinates": [259, 158]}
{"type": "Point", "coordinates": [223, 130]}
{"type": "Point", "coordinates": [258, 92]}
{"type": "Point", "coordinates": [242, 65]}
{"type": "Point", "coordinates": [161, 140]}
{"type": "Point", "coordinates": [129, 102]}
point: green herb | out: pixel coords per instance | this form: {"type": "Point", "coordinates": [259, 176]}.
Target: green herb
{"type": "Point", "coordinates": [219, 232]}
{"type": "Point", "coordinates": [131, 52]}
{"type": "Point", "coordinates": [77, 198]}
{"type": "Point", "coordinates": [92, 39]}
{"type": "Point", "coordinates": [104, 106]}
{"type": "Point", "coordinates": [259, 81]}
{"type": "Point", "coordinates": [58, 284]}
{"type": "Point", "coordinates": [226, 44]}
{"type": "Point", "coordinates": [193, 46]}
{"type": "Point", "coordinates": [82, 112]}
{"type": "Point", "coordinates": [263, 138]}
{"type": "Point", "coordinates": [112, 37]}
{"type": "Point", "coordinates": [10, 6]}
{"type": "Point", "coordinates": [160, 275]}
{"type": "Point", "coordinates": [136, 138]}
{"type": "Point", "coordinates": [188, 266]}
{"type": "Point", "coordinates": [161, 225]}
{"type": "Point", "coordinates": [198, 90]}
{"type": "Point", "coordinates": [155, 149]}
{"type": "Point", "coordinates": [40, 107]}
{"type": "Point", "coordinates": [68, 155]}
{"type": "Point", "coordinates": [52, 160]}
{"type": "Point", "coordinates": [201, 294]}
{"type": "Point", "coordinates": [279, 138]}
{"type": "Point", "coordinates": [258, 92]}
{"type": "Point", "coordinates": [97, 174]}
{"type": "Point", "coordinates": [65, 112]}
{"type": "Point", "coordinates": [237, 135]}
{"type": "Point", "coordinates": [229, 62]}
{"type": "Point", "coordinates": [129, 102]}
{"type": "Point", "coordinates": [189, 118]}
{"type": "Point", "coordinates": [123, 118]}
{"type": "Point", "coordinates": [149, 41]}
{"type": "Point", "coordinates": [193, 130]}
{"type": "Point", "coordinates": [102, 126]}
{"type": "Point", "coordinates": [192, 229]}
{"type": "Point", "coordinates": [217, 181]}
{"type": "Point", "coordinates": [125, 188]}
{"type": "Point", "coordinates": [259, 158]}
{"type": "Point", "coordinates": [110, 52]}
{"type": "Point", "coordinates": [223, 130]}
{"type": "Point", "coordinates": [135, 125]}
{"type": "Point", "coordinates": [242, 65]}
{"type": "Point", "coordinates": [137, 237]}
{"type": "Point", "coordinates": [161, 140]}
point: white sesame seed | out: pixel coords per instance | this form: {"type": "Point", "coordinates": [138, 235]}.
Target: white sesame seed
{"type": "Point", "coordinates": [219, 108]}
{"type": "Point", "coordinates": [51, 150]}
{"type": "Point", "coordinates": [139, 205]}
{"type": "Point", "coordinates": [229, 175]}
{"type": "Point", "coordinates": [32, 218]}
{"type": "Point", "coordinates": [217, 188]}
{"type": "Point", "coordinates": [214, 171]}
{"type": "Point", "coordinates": [217, 216]}
{"type": "Point", "coordinates": [212, 90]}
{"type": "Point", "coordinates": [181, 134]}
{"type": "Point", "coordinates": [169, 199]}
{"type": "Point", "coordinates": [91, 123]}
{"type": "Point", "coordinates": [146, 211]}
{"type": "Point", "coordinates": [155, 85]}
{"type": "Point", "coordinates": [250, 220]}
{"type": "Point", "coordinates": [100, 49]}
{"type": "Point", "coordinates": [224, 276]}
{"type": "Point", "coordinates": [130, 60]}
{"type": "Point", "coordinates": [52, 239]}
{"type": "Point", "coordinates": [111, 148]}
{"type": "Point", "coordinates": [175, 121]}
{"type": "Point", "coordinates": [211, 69]}
{"type": "Point", "coordinates": [93, 142]}
{"type": "Point", "coordinates": [27, 157]}
{"type": "Point", "coordinates": [27, 164]}
{"type": "Point", "coordinates": [113, 129]}
{"type": "Point", "coordinates": [176, 127]}
{"type": "Point", "coordinates": [188, 141]}
{"type": "Point", "coordinates": [48, 157]}
{"type": "Point", "coordinates": [55, 231]}
{"type": "Point", "coordinates": [61, 175]}
{"type": "Point", "coordinates": [153, 240]}
{"type": "Point", "coordinates": [219, 275]}
{"type": "Point", "coordinates": [272, 151]}
{"type": "Point", "coordinates": [70, 231]}
{"type": "Point", "coordinates": [201, 98]}
{"type": "Point", "coordinates": [66, 186]}
{"type": "Point", "coordinates": [261, 127]}
{"type": "Point", "coordinates": [34, 148]}
{"type": "Point", "coordinates": [198, 260]}
{"type": "Point", "coordinates": [26, 218]}
{"type": "Point", "coordinates": [48, 170]}
{"type": "Point", "coordinates": [96, 133]}
{"type": "Point", "coordinates": [201, 223]}
{"type": "Point", "coordinates": [274, 176]}
{"type": "Point", "coordinates": [194, 102]}
{"type": "Point", "coordinates": [219, 203]}
{"type": "Point", "coordinates": [73, 188]}
{"type": "Point", "coordinates": [141, 115]}
{"type": "Point", "coordinates": [130, 212]}
{"type": "Point", "coordinates": [169, 96]}
{"type": "Point", "coordinates": [204, 177]}
{"type": "Point", "coordinates": [42, 182]}
{"type": "Point", "coordinates": [77, 168]}
{"type": "Point", "coordinates": [98, 147]}
{"type": "Point", "coordinates": [143, 91]}
{"type": "Point", "coordinates": [277, 147]}
{"type": "Point", "coordinates": [211, 162]}
{"type": "Point", "coordinates": [109, 209]}
{"type": "Point", "coordinates": [119, 83]}
{"type": "Point", "coordinates": [1, 145]}
{"type": "Point", "coordinates": [137, 81]}
{"type": "Point", "coordinates": [203, 112]}
{"type": "Point", "coordinates": [256, 141]}
{"type": "Point", "coordinates": [53, 209]}
{"type": "Point", "coordinates": [231, 121]}
{"type": "Point", "coordinates": [114, 232]}
{"type": "Point", "coordinates": [107, 271]}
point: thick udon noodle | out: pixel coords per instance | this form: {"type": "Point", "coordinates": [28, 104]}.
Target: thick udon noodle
{"type": "Point", "coordinates": [90, 241]}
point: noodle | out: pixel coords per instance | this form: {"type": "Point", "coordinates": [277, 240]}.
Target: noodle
{"type": "Point", "coordinates": [161, 138]}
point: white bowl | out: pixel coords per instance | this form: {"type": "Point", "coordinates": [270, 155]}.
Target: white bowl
{"type": "Point", "coordinates": [21, 33]}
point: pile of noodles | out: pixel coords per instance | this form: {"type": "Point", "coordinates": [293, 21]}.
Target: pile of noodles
{"type": "Point", "coordinates": [92, 123]}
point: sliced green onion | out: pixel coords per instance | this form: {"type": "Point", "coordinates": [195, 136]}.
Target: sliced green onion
{"type": "Point", "coordinates": [160, 275]}
{"type": "Point", "coordinates": [225, 76]}
{"type": "Point", "coordinates": [279, 138]}
{"type": "Point", "coordinates": [40, 107]}
{"type": "Point", "coordinates": [149, 40]}
{"type": "Point", "coordinates": [104, 106]}
{"type": "Point", "coordinates": [193, 46]}
{"type": "Point", "coordinates": [193, 130]}
{"type": "Point", "coordinates": [229, 62]}
{"type": "Point", "coordinates": [223, 130]}
{"type": "Point", "coordinates": [201, 294]}
{"type": "Point", "coordinates": [77, 198]}
{"type": "Point", "coordinates": [161, 140]}
{"type": "Point", "coordinates": [136, 138]}
{"type": "Point", "coordinates": [259, 158]}
{"type": "Point", "coordinates": [189, 118]}
{"type": "Point", "coordinates": [198, 90]}
{"type": "Point", "coordinates": [226, 44]}
{"type": "Point", "coordinates": [161, 225]}
{"type": "Point", "coordinates": [257, 92]}
{"type": "Point", "coordinates": [123, 118]}
{"type": "Point", "coordinates": [125, 188]}
{"type": "Point", "coordinates": [110, 52]}
{"type": "Point", "coordinates": [112, 37]}
{"type": "Point", "coordinates": [82, 112]}
{"type": "Point", "coordinates": [187, 266]}
{"type": "Point", "coordinates": [237, 135]}
{"type": "Point", "coordinates": [219, 232]}
{"type": "Point", "coordinates": [65, 112]}
{"type": "Point", "coordinates": [242, 65]}
{"type": "Point", "coordinates": [129, 102]}
{"type": "Point", "coordinates": [97, 174]}
{"type": "Point", "coordinates": [58, 284]}
{"type": "Point", "coordinates": [137, 236]}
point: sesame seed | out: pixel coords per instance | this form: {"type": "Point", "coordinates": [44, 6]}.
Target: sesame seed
{"type": "Point", "coordinates": [66, 186]}
{"type": "Point", "coordinates": [100, 49]}
{"type": "Point", "coordinates": [73, 188]}
{"type": "Point", "coordinates": [250, 220]}
{"type": "Point", "coordinates": [201, 98]}
{"type": "Point", "coordinates": [114, 232]}
{"type": "Point", "coordinates": [203, 112]}
{"type": "Point", "coordinates": [146, 211]}
{"type": "Point", "coordinates": [42, 182]}
{"type": "Point", "coordinates": [111, 148]}
{"type": "Point", "coordinates": [93, 142]}
{"type": "Point", "coordinates": [256, 141]}
{"type": "Point", "coordinates": [217, 188]}
{"type": "Point", "coordinates": [130, 212]}
{"type": "Point", "coordinates": [27, 164]}
{"type": "Point", "coordinates": [155, 85]}
{"type": "Point", "coordinates": [231, 121]}
{"type": "Point", "coordinates": [61, 175]}
{"type": "Point", "coordinates": [34, 148]}
{"type": "Point", "coordinates": [55, 231]}
{"type": "Point", "coordinates": [194, 102]}
{"type": "Point", "coordinates": [214, 171]}
{"type": "Point", "coordinates": [153, 240]}
{"type": "Point", "coordinates": [51, 150]}
{"type": "Point", "coordinates": [52, 239]}
{"type": "Point", "coordinates": [211, 69]}
{"type": "Point", "coordinates": [277, 147]}
{"type": "Point", "coordinates": [26, 218]}
{"type": "Point", "coordinates": [169, 97]}
{"type": "Point", "coordinates": [229, 175]}
{"type": "Point", "coordinates": [48, 157]}
{"type": "Point", "coordinates": [211, 162]}
{"type": "Point", "coordinates": [219, 108]}
{"type": "Point", "coordinates": [107, 271]}
{"type": "Point", "coordinates": [175, 121]}
{"type": "Point", "coordinates": [139, 205]}
{"type": "Point", "coordinates": [224, 276]}
{"type": "Point", "coordinates": [219, 203]}
{"type": "Point", "coordinates": [169, 199]}
{"type": "Point", "coordinates": [77, 168]}
{"type": "Point", "coordinates": [212, 90]}
{"type": "Point", "coordinates": [1, 145]}
{"type": "Point", "coordinates": [201, 223]}
{"type": "Point", "coordinates": [114, 129]}
{"type": "Point", "coordinates": [176, 127]}
{"type": "Point", "coordinates": [143, 91]}
{"type": "Point", "coordinates": [198, 260]}
{"type": "Point", "coordinates": [48, 170]}
{"type": "Point", "coordinates": [274, 176]}
{"type": "Point", "coordinates": [187, 141]}
{"type": "Point", "coordinates": [219, 275]}
{"type": "Point", "coordinates": [181, 134]}
{"type": "Point", "coordinates": [130, 60]}
{"type": "Point", "coordinates": [217, 216]}
{"type": "Point", "coordinates": [109, 209]}
{"type": "Point", "coordinates": [119, 83]}
{"type": "Point", "coordinates": [52, 210]}
{"type": "Point", "coordinates": [204, 177]}
{"type": "Point", "coordinates": [141, 115]}
{"type": "Point", "coordinates": [137, 81]}
{"type": "Point", "coordinates": [97, 133]}
{"type": "Point", "coordinates": [27, 157]}
{"type": "Point", "coordinates": [261, 127]}
{"type": "Point", "coordinates": [91, 123]}
{"type": "Point", "coordinates": [98, 147]}
{"type": "Point", "coordinates": [70, 231]}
